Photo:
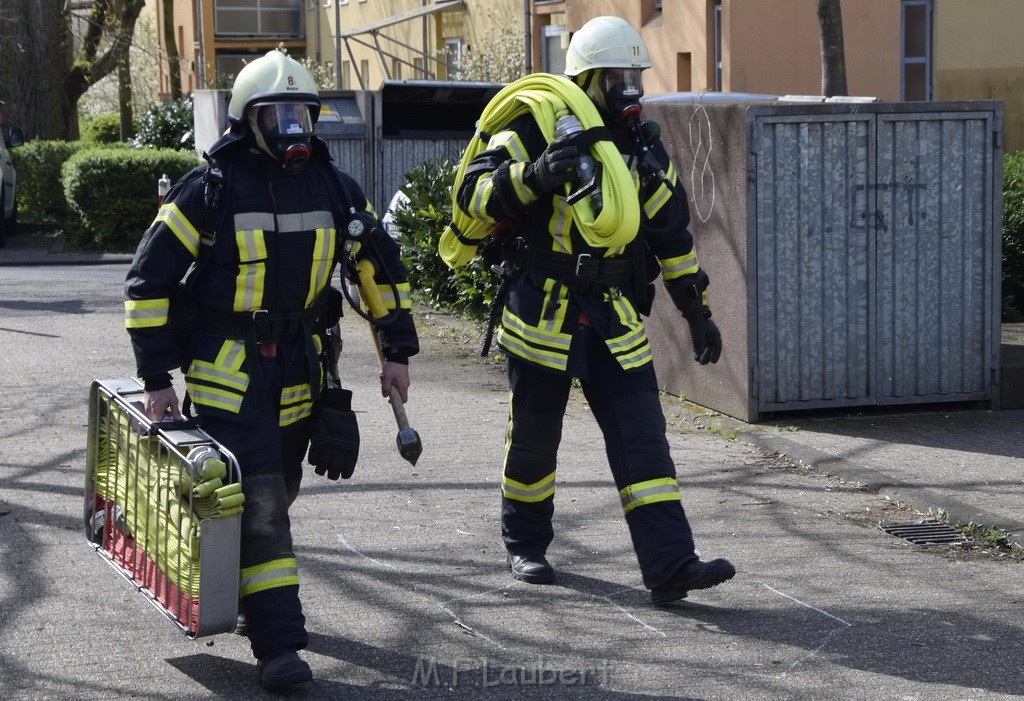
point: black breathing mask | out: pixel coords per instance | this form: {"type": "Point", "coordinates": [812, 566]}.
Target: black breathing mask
{"type": "Point", "coordinates": [286, 130]}
{"type": "Point", "coordinates": [622, 89]}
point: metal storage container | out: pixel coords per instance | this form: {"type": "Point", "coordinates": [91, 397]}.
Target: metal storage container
{"type": "Point", "coordinates": [853, 248]}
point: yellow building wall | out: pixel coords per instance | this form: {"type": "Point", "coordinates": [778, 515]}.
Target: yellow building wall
{"type": "Point", "coordinates": [979, 54]}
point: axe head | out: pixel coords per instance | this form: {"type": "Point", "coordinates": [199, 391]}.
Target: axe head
{"type": "Point", "coordinates": [409, 445]}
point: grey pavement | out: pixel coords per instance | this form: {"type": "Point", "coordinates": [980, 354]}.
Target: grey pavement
{"type": "Point", "coordinates": [401, 567]}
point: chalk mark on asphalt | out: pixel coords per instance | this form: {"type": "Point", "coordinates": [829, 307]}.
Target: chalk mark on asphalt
{"type": "Point", "coordinates": [344, 542]}
{"type": "Point", "coordinates": [443, 605]}
{"type": "Point", "coordinates": [832, 634]}
{"type": "Point", "coordinates": [649, 627]}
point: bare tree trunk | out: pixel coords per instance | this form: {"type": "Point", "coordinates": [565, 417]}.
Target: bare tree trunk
{"type": "Point", "coordinates": [833, 57]}
{"type": "Point", "coordinates": [116, 16]}
{"type": "Point", "coordinates": [124, 97]}
{"type": "Point", "coordinates": [171, 46]}
{"type": "Point", "coordinates": [29, 84]}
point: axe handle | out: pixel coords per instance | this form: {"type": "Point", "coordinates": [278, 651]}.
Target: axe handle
{"type": "Point", "coordinates": [375, 305]}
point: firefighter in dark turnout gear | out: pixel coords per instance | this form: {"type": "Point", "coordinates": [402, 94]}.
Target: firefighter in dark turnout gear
{"type": "Point", "coordinates": [579, 270]}
{"type": "Point", "coordinates": [259, 230]}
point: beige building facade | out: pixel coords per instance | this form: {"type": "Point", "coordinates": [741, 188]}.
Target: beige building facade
{"type": "Point", "coordinates": [895, 49]}
{"type": "Point", "coordinates": [378, 39]}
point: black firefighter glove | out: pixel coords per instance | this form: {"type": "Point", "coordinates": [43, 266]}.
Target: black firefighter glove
{"type": "Point", "coordinates": [334, 447]}
{"type": "Point", "coordinates": [556, 166]}
{"type": "Point", "coordinates": [688, 295]}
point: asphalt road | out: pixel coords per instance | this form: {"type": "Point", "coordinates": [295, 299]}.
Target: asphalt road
{"type": "Point", "coordinates": [402, 572]}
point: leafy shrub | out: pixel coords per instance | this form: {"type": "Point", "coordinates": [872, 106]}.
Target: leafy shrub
{"type": "Point", "coordinates": [421, 221]}
{"type": "Point", "coordinates": [38, 165]}
{"type": "Point", "coordinates": [114, 192]}
{"type": "Point", "coordinates": [1013, 237]}
{"type": "Point", "coordinates": [104, 129]}
{"type": "Point", "coordinates": [168, 125]}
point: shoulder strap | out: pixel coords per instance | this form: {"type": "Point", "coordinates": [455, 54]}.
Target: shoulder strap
{"type": "Point", "coordinates": [215, 182]}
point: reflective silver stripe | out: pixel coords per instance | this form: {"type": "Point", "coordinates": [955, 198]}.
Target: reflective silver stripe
{"type": "Point", "coordinates": [557, 340]}
{"type": "Point", "coordinates": [560, 226]}
{"type": "Point", "coordinates": [254, 220]}
{"type": "Point", "coordinates": [679, 266]}
{"type": "Point", "coordinates": [664, 489]}
{"type": "Point", "coordinates": [481, 195]}
{"type": "Point", "coordinates": [145, 313]}
{"type": "Point", "coordinates": [510, 141]}
{"type": "Point", "coordinates": [180, 226]}
{"type": "Point", "coordinates": [211, 396]}
{"type": "Point", "coordinates": [515, 346]}
{"type": "Point", "coordinates": [537, 491]}
{"type": "Point", "coordinates": [304, 221]}
{"type": "Point", "coordinates": [295, 393]}
{"type": "Point", "coordinates": [212, 373]}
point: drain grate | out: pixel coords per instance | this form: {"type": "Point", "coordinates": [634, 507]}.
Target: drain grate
{"type": "Point", "coordinates": [925, 532]}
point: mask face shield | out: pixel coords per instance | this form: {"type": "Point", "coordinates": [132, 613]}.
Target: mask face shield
{"type": "Point", "coordinates": [286, 129]}
{"type": "Point", "coordinates": [622, 89]}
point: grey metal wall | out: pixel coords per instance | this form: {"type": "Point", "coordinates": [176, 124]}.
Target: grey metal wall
{"type": "Point", "coordinates": [868, 270]}
{"type": "Point", "coordinates": [399, 155]}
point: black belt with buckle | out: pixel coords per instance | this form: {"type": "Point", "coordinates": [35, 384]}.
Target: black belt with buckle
{"type": "Point", "coordinates": [264, 326]}
{"type": "Point", "coordinates": [583, 272]}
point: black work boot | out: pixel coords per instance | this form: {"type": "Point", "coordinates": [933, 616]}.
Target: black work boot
{"type": "Point", "coordinates": [283, 668]}
{"type": "Point", "coordinates": [693, 575]}
{"type": "Point", "coordinates": [531, 568]}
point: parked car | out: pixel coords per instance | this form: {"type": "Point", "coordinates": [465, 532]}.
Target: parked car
{"type": "Point", "coordinates": [8, 180]}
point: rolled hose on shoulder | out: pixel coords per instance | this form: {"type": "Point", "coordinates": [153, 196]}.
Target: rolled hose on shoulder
{"type": "Point", "coordinates": [544, 96]}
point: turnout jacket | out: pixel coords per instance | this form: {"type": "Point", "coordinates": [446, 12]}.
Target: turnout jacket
{"type": "Point", "coordinates": [543, 307]}
{"type": "Point", "coordinates": [274, 248]}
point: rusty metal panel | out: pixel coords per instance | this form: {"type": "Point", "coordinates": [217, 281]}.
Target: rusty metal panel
{"type": "Point", "coordinates": [934, 247]}
{"type": "Point", "coordinates": [814, 253]}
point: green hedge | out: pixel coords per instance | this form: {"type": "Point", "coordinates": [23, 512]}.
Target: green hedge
{"type": "Point", "coordinates": [104, 129]}
{"type": "Point", "coordinates": [466, 291]}
{"type": "Point", "coordinates": [38, 163]}
{"type": "Point", "coordinates": [113, 191]}
{"type": "Point", "coordinates": [1013, 237]}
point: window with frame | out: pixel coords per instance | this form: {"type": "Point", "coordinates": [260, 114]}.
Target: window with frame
{"type": "Point", "coordinates": [552, 52]}
{"type": "Point", "coordinates": [916, 51]}
{"type": "Point", "coordinates": [279, 18]}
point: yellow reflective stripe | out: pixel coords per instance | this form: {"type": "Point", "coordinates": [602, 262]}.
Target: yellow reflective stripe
{"type": "Point", "coordinates": [323, 257]}
{"type": "Point", "coordinates": [554, 299]}
{"type": "Point", "coordinates": [538, 491]}
{"type": "Point", "coordinates": [252, 251]}
{"type": "Point", "coordinates": [145, 313]}
{"type": "Point", "coordinates": [656, 201]}
{"type": "Point", "coordinates": [481, 196]}
{"type": "Point", "coordinates": [510, 141]}
{"type": "Point", "coordinates": [524, 192]}
{"type": "Point", "coordinates": [180, 226]}
{"type": "Point", "coordinates": [214, 397]}
{"type": "Point", "coordinates": [387, 293]}
{"type": "Point", "coordinates": [231, 354]}
{"type": "Point", "coordinates": [632, 348]}
{"type": "Point", "coordinates": [516, 346]}
{"type": "Point", "coordinates": [203, 370]}
{"type": "Point", "coordinates": [295, 393]}
{"type": "Point", "coordinates": [276, 573]}
{"type": "Point", "coordinates": [649, 492]}
{"type": "Point", "coordinates": [295, 413]}
{"type": "Point", "coordinates": [560, 226]}
{"type": "Point", "coordinates": [672, 268]}
{"type": "Point", "coordinates": [557, 340]}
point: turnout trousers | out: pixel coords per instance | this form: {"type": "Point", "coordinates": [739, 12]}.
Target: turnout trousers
{"type": "Point", "coordinates": [270, 459]}
{"type": "Point", "coordinates": [628, 411]}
